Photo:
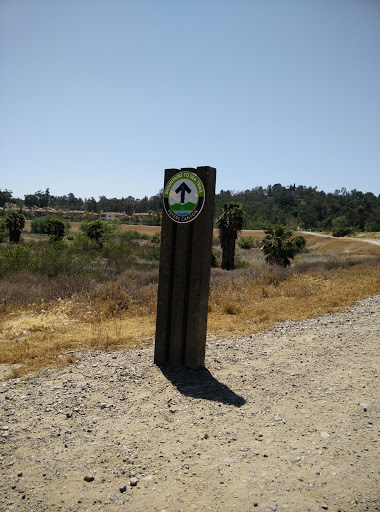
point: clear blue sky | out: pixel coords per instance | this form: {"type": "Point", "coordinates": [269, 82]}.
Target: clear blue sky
{"type": "Point", "coordinates": [98, 97]}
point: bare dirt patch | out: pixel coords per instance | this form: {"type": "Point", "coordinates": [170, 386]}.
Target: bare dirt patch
{"type": "Point", "coordinates": [284, 420]}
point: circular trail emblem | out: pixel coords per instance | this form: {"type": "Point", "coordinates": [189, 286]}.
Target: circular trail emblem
{"type": "Point", "coordinates": [184, 196]}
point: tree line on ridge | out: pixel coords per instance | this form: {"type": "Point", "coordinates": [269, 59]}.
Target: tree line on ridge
{"type": "Point", "coordinates": [293, 206]}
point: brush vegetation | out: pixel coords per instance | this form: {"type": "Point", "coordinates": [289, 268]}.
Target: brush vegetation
{"type": "Point", "coordinates": [59, 299]}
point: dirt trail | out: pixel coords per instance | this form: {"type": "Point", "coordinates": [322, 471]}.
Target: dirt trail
{"type": "Point", "coordinates": [367, 240]}
{"type": "Point", "coordinates": [284, 420]}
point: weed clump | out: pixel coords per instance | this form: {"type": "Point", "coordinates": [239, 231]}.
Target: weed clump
{"type": "Point", "coordinates": [246, 242]}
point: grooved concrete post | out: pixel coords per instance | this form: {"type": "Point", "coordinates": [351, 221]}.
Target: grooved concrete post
{"type": "Point", "coordinates": [185, 264]}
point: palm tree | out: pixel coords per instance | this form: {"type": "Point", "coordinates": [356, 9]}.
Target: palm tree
{"type": "Point", "coordinates": [278, 246]}
{"type": "Point", "coordinates": [15, 223]}
{"type": "Point", "coordinates": [229, 224]}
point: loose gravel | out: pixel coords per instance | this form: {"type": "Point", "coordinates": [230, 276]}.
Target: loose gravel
{"type": "Point", "coordinates": [283, 420]}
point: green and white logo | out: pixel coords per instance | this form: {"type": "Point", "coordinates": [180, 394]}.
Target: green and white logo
{"type": "Point", "coordinates": [184, 196]}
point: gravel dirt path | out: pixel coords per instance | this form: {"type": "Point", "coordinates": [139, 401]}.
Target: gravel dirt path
{"type": "Point", "coordinates": [367, 240]}
{"type": "Point", "coordinates": [284, 420]}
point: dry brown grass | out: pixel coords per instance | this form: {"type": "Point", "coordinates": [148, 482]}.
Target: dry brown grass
{"type": "Point", "coordinates": [24, 289]}
{"type": "Point", "coordinates": [38, 338]}
{"type": "Point", "coordinates": [52, 333]}
{"type": "Point", "coordinates": [370, 235]}
{"type": "Point", "coordinates": [243, 305]}
{"type": "Point", "coordinates": [341, 246]}
{"type": "Point", "coordinates": [60, 318]}
{"type": "Point", "coordinates": [140, 228]}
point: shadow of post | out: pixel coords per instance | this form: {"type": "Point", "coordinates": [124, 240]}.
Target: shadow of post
{"type": "Point", "coordinates": [201, 384]}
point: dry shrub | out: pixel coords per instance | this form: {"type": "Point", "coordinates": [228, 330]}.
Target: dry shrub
{"type": "Point", "coordinates": [23, 288]}
{"type": "Point", "coordinates": [370, 234]}
{"type": "Point", "coordinates": [272, 278]}
{"type": "Point", "coordinates": [265, 301]}
{"type": "Point", "coordinates": [109, 300]}
{"type": "Point", "coordinates": [315, 262]}
{"type": "Point", "coordinates": [133, 293]}
{"type": "Point", "coordinates": [136, 280]}
{"type": "Point", "coordinates": [231, 308]}
{"type": "Point", "coordinates": [340, 246]}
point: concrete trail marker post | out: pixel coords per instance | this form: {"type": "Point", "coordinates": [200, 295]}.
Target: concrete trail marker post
{"type": "Point", "coordinates": [185, 265]}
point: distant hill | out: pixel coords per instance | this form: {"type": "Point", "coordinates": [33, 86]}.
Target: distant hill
{"type": "Point", "coordinates": [295, 206]}
{"type": "Point", "coordinates": [182, 207]}
{"type": "Point", "coordinates": [305, 207]}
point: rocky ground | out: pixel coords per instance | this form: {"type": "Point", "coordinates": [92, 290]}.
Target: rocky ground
{"type": "Point", "coordinates": [285, 420]}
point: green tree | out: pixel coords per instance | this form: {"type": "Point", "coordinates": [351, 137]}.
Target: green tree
{"type": "Point", "coordinates": [3, 230]}
{"type": "Point", "coordinates": [278, 246]}
{"type": "Point", "coordinates": [30, 200]}
{"type": "Point", "coordinates": [340, 226]}
{"type": "Point", "coordinates": [40, 225]}
{"type": "Point", "coordinates": [229, 224]}
{"type": "Point", "coordinates": [55, 229]}
{"type": "Point", "coordinates": [96, 230]}
{"type": "Point", "coordinates": [300, 242]}
{"type": "Point", "coordinates": [5, 197]}
{"type": "Point", "coordinates": [91, 205]}
{"type": "Point", "coordinates": [15, 223]}
{"type": "Point", "coordinates": [43, 198]}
